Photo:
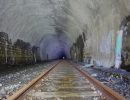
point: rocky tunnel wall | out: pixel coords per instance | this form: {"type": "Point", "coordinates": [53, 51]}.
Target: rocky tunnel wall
{"type": "Point", "coordinates": [99, 20]}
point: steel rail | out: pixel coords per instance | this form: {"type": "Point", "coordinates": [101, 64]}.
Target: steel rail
{"type": "Point", "coordinates": [106, 91]}
{"type": "Point", "coordinates": [25, 88]}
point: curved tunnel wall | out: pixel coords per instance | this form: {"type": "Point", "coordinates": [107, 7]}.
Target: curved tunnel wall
{"type": "Point", "coordinates": [32, 20]}
{"type": "Point", "coordinates": [99, 20]}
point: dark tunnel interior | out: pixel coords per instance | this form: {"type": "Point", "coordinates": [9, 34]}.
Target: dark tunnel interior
{"type": "Point", "coordinates": [94, 35]}
{"type": "Point", "coordinates": [55, 47]}
{"type": "Point", "coordinates": [62, 55]}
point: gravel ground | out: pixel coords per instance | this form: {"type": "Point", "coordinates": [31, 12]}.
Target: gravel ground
{"type": "Point", "coordinates": [116, 83]}
{"type": "Point", "coordinates": [14, 78]}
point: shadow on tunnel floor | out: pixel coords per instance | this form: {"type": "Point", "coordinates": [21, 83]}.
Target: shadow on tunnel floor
{"type": "Point", "coordinates": [126, 67]}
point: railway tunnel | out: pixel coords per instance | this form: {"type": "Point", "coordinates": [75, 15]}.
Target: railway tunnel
{"type": "Point", "coordinates": [93, 33]}
{"type": "Point", "coordinates": [62, 26]}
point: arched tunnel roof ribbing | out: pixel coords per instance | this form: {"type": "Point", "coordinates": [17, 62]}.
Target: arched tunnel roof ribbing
{"type": "Point", "coordinates": [31, 20]}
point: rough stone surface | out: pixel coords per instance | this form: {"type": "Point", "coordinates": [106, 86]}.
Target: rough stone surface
{"type": "Point", "coordinates": [117, 83]}
{"type": "Point", "coordinates": [18, 77]}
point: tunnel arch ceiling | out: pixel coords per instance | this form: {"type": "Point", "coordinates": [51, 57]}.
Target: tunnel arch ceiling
{"type": "Point", "coordinates": [31, 20]}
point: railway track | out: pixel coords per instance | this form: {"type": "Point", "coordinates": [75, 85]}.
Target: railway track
{"type": "Point", "coordinates": [65, 81]}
